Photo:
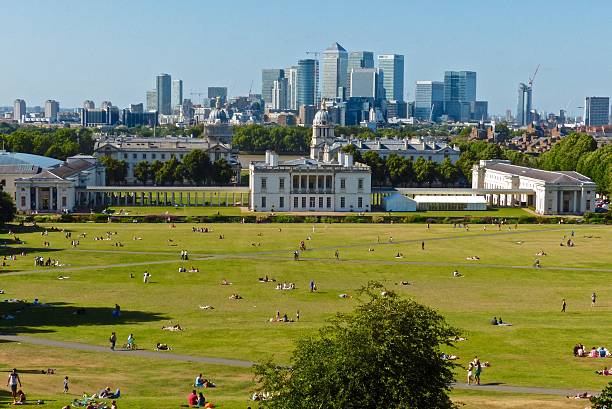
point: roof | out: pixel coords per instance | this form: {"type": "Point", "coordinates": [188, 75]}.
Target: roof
{"type": "Point", "coordinates": [131, 143]}
{"type": "Point", "coordinates": [308, 163]}
{"type": "Point", "coordinates": [544, 175]}
{"type": "Point", "coordinates": [450, 199]}
{"type": "Point", "coordinates": [335, 47]}
{"type": "Point", "coordinates": [73, 168]}
{"type": "Point", "coordinates": [17, 158]}
{"type": "Point", "coordinates": [22, 169]}
{"type": "Point", "coordinates": [391, 144]}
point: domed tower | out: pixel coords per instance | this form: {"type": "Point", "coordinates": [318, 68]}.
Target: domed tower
{"type": "Point", "coordinates": [322, 134]}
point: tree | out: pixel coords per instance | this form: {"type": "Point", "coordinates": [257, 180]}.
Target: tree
{"type": "Point", "coordinates": [424, 171]}
{"type": "Point", "coordinates": [448, 172]}
{"type": "Point", "coordinates": [142, 172]}
{"type": "Point", "coordinates": [7, 207]}
{"type": "Point", "coordinates": [604, 400]}
{"type": "Point", "coordinates": [223, 172]}
{"type": "Point", "coordinates": [598, 166]}
{"type": "Point", "coordinates": [352, 149]}
{"type": "Point", "coordinates": [167, 172]}
{"type": "Point", "coordinates": [116, 170]}
{"type": "Point", "coordinates": [374, 161]}
{"type": "Point", "coordinates": [399, 170]}
{"type": "Point", "coordinates": [565, 154]}
{"type": "Point", "coordinates": [386, 354]}
{"type": "Point", "coordinates": [197, 166]}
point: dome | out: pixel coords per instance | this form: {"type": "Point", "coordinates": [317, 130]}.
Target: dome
{"type": "Point", "coordinates": [217, 115]}
{"type": "Point", "coordinates": [321, 118]}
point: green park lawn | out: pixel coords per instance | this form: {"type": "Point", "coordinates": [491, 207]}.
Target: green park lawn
{"type": "Point", "coordinates": [535, 351]}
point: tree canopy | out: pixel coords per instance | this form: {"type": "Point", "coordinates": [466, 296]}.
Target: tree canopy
{"type": "Point", "coordinates": [7, 208]}
{"type": "Point", "coordinates": [385, 354]}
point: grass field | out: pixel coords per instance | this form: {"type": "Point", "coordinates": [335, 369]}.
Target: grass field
{"type": "Point", "coordinates": [535, 351]}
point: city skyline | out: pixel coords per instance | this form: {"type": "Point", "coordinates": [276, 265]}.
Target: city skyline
{"type": "Point", "coordinates": [235, 61]}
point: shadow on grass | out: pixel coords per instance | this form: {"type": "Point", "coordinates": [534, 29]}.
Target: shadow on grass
{"type": "Point", "coordinates": [31, 319]}
{"type": "Point", "coordinates": [5, 398]}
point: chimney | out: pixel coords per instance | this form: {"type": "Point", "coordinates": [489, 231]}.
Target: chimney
{"type": "Point", "coordinates": [341, 157]}
{"type": "Point", "coordinates": [273, 159]}
{"type": "Point", "coordinates": [268, 157]}
{"type": "Point", "coordinates": [348, 160]}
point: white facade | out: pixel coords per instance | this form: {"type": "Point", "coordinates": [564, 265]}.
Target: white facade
{"type": "Point", "coordinates": [319, 183]}
{"type": "Point", "coordinates": [558, 192]}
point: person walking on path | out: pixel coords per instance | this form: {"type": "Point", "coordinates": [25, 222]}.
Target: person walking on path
{"type": "Point", "coordinates": [593, 299]}
{"type": "Point", "coordinates": [66, 384]}
{"type": "Point", "coordinates": [422, 245]}
{"type": "Point", "coordinates": [470, 373]}
{"type": "Point", "coordinates": [13, 380]}
{"type": "Point", "coordinates": [563, 305]}
{"type": "Point", "coordinates": [113, 341]}
{"type": "Point", "coordinates": [337, 254]}
{"type": "Point", "coordinates": [478, 370]}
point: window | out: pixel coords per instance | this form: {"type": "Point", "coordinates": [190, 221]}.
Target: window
{"type": "Point", "coordinates": [342, 183]}
{"type": "Point", "coordinates": [134, 156]}
{"type": "Point", "coordinates": [144, 155]}
{"type": "Point", "coordinates": [163, 156]}
{"type": "Point", "coordinates": [321, 203]}
{"type": "Point", "coordinates": [360, 202]}
{"type": "Point", "coordinates": [360, 184]}
{"type": "Point", "coordinates": [181, 155]}
{"type": "Point", "coordinates": [588, 192]}
{"type": "Point", "coordinates": [295, 202]}
{"type": "Point", "coordinates": [313, 201]}
{"type": "Point", "coordinates": [263, 202]}
{"type": "Point", "coordinates": [588, 205]}
{"type": "Point", "coordinates": [281, 202]}
{"type": "Point", "coordinates": [304, 202]}
{"type": "Point", "coordinates": [264, 183]}
{"type": "Point", "coordinates": [23, 201]}
{"type": "Point", "coordinates": [125, 155]}
{"type": "Point", "coordinates": [329, 202]}
{"type": "Point", "coordinates": [296, 182]}
{"type": "Point", "coordinates": [281, 183]}
{"type": "Point", "coordinates": [64, 201]}
{"type": "Point", "coordinates": [342, 202]}
{"type": "Point", "coordinates": [154, 156]}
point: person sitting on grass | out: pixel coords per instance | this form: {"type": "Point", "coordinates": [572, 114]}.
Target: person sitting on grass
{"type": "Point", "coordinates": [457, 274]}
{"type": "Point", "coordinates": [192, 399]}
{"type": "Point", "coordinates": [605, 372]}
{"type": "Point", "coordinates": [583, 395]}
{"type": "Point", "coordinates": [175, 327]}
{"type": "Point", "coordinates": [201, 400]}
{"type": "Point", "coordinates": [162, 347]}
{"type": "Point", "coordinates": [494, 321]}
{"type": "Point", "coordinates": [199, 382]}
{"type": "Point", "coordinates": [20, 399]}
{"type": "Point", "coordinates": [593, 353]}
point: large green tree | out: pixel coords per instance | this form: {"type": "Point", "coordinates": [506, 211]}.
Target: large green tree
{"type": "Point", "coordinates": [386, 354]}
{"type": "Point", "coordinates": [604, 399]}
{"type": "Point", "coordinates": [197, 166]}
{"type": "Point", "coordinates": [142, 171]}
{"type": "Point", "coordinates": [448, 172]}
{"type": "Point", "coordinates": [565, 154]}
{"type": "Point", "coordinates": [116, 170]}
{"type": "Point", "coordinates": [222, 172]}
{"type": "Point", "coordinates": [375, 162]}
{"type": "Point", "coordinates": [598, 166]}
{"type": "Point", "coordinates": [7, 207]}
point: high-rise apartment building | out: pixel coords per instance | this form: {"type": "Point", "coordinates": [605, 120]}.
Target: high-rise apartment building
{"type": "Point", "coordinates": [392, 69]}
{"type": "Point", "coordinates": [19, 110]}
{"type": "Point", "coordinates": [279, 94]}
{"type": "Point", "coordinates": [596, 111]}
{"type": "Point", "coordinates": [365, 83]}
{"type": "Point", "coordinates": [152, 100]}
{"type": "Point", "coordinates": [164, 94]}
{"type": "Point", "coordinates": [89, 104]}
{"type": "Point", "coordinates": [291, 75]}
{"type": "Point", "coordinates": [177, 94]}
{"type": "Point", "coordinates": [335, 78]}
{"type": "Point", "coordinates": [523, 109]}
{"type": "Point", "coordinates": [460, 86]}
{"type": "Point", "coordinates": [268, 76]}
{"type": "Point", "coordinates": [428, 100]}
{"type": "Point", "coordinates": [51, 110]}
{"type": "Point", "coordinates": [217, 92]}
{"type": "Point", "coordinates": [307, 82]}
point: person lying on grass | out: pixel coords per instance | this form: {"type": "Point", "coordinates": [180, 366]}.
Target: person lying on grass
{"type": "Point", "coordinates": [175, 327]}
{"type": "Point", "coordinates": [604, 371]}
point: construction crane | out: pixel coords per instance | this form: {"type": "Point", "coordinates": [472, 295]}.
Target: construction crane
{"type": "Point", "coordinates": [533, 76]}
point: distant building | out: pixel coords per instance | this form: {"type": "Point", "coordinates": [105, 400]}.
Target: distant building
{"type": "Point", "coordinates": [218, 92]}
{"type": "Point", "coordinates": [19, 110]}
{"type": "Point", "coordinates": [365, 83]}
{"type": "Point", "coordinates": [279, 94]}
{"type": "Point", "coordinates": [523, 109]}
{"type": "Point", "coordinates": [307, 114]}
{"type": "Point", "coordinates": [359, 59]}
{"type": "Point", "coordinates": [460, 86]}
{"type": "Point", "coordinates": [307, 82]}
{"type": "Point", "coordinates": [396, 109]}
{"type": "Point", "coordinates": [152, 100]}
{"type": "Point", "coordinates": [268, 76]}
{"type": "Point", "coordinates": [429, 100]}
{"type": "Point", "coordinates": [89, 104]}
{"type": "Point", "coordinates": [411, 149]}
{"type": "Point", "coordinates": [51, 110]}
{"type": "Point", "coordinates": [291, 75]}
{"type": "Point", "coordinates": [59, 189]}
{"type": "Point", "coordinates": [216, 127]}
{"type": "Point", "coordinates": [177, 94]}
{"type": "Point", "coordinates": [335, 77]}
{"type": "Point", "coordinates": [596, 111]}
{"type": "Point", "coordinates": [106, 116]}
{"type": "Point", "coordinates": [559, 192]}
{"type": "Point", "coordinates": [133, 118]}
{"type": "Point", "coordinates": [136, 108]}
{"type": "Point", "coordinates": [392, 68]}
{"type": "Point", "coordinates": [15, 165]}
{"type": "Point", "coordinates": [479, 110]}
{"type": "Point", "coordinates": [164, 94]}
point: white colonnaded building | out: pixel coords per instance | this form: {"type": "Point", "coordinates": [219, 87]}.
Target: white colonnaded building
{"type": "Point", "coordinates": [323, 182]}
{"type": "Point", "coordinates": [555, 192]}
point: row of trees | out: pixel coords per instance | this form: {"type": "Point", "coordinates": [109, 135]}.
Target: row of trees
{"type": "Point", "coordinates": [195, 168]}
{"type": "Point", "coordinates": [58, 143]}
{"type": "Point", "coordinates": [258, 138]}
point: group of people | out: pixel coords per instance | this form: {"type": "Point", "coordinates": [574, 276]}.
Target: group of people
{"type": "Point", "coordinates": [40, 261]}
{"type": "Point", "coordinates": [184, 255]}
{"type": "Point", "coordinates": [473, 371]}
{"type": "Point", "coordinates": [581, 352]}
{"type": "Point", "coordinates": [131, 342]}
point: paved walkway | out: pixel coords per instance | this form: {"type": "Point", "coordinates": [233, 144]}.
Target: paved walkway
{"type": "Point", "coordinates": [139, 353]}
{"type": "Point", "coordinates": [247, 364]}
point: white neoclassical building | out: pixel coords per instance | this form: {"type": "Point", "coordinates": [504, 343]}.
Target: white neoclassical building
{"type": "Point", "coordinates": [322, 182]}
{"type": "Point", "coordinates": [554, 192]}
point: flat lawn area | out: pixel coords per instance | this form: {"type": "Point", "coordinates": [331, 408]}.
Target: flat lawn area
{"type": "Point", "coordinates": [535, 351]}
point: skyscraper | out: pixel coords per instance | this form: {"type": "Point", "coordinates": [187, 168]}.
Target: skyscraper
{"type": "Point", "coordinates": [291, 75]}
{"type": "Point", "coordinates": [307, 82]}
{"type": "Point", "coordinates": [279, 93]}
{"type": "Point", "coordinates": [429, 100]}
{"type": "Point", "coordinates": [164, 94]}
{"type": "Point", "coordinates": [214, 92]}
{"type": "Point", "coordinates": [177, 94]}
{"type": "Point", "coordinates": [335, 64]}
{"type": "Point", "coordinates": [365, 83]}
{"type": "Point", "coordinates": [392, 68]}
{"type": "Point", "coordinates": [523, 109]}
{"type": "Point", "coordinates": [596, 111]}
{"type": "Point", "coordinates": [151, 100]}
{"type": "Point", "coordinates": [19, 110]}
{"type": "Point", "coordinates": [51, 110]}
{"type": "Point", "coordinates": [359, 59]}
{"type": "Point", "coordinates": [460, 86]}
{"type": "Point", "coordinates": [268, 76]}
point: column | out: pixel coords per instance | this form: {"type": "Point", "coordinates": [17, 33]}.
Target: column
{"type": "Point", "coordinates": [165, 198]}
{"type": "Point", "coordinates": [173, 201]}
{"type": "Point", "coordinates": [575, 201]}
{"type": "Point", "coordinates": [188, 199]}
{"type": "Point", "coordinates": [233, 198]}
{"type": "Point", "coordinates": [181, 198]}
{"type": "Point", "coordinates": [226, 199]}
{"type": "Point", "coordinates": [142, 198]}
{"type": "Point", "coordinates": [127, 196]}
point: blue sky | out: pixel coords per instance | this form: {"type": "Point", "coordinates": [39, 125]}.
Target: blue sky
{"type": "Point", "coordinates": [112, 50]}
